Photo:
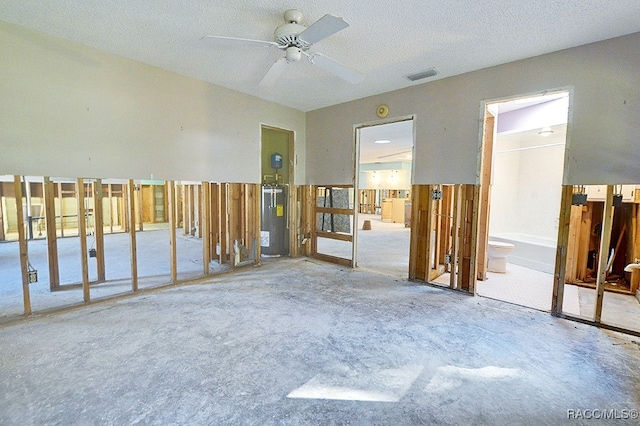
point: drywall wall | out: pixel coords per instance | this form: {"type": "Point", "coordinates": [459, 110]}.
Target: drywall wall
{"type": "Point", "coordinates": [526, 184]}
{"type": "Point", "coordinates": [70, 110]}
{"type": "Point", "coordinates": [604, 118]}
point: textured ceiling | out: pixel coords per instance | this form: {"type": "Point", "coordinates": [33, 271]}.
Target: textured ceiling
{"type": "Point", "coordinates": [385, 40]}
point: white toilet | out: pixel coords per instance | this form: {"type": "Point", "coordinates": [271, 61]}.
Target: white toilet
{"type": "Point", "coordinates": [497, 256]}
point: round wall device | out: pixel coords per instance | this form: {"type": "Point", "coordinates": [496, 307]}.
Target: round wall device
{"type": "Point", "coordinates": [382, 111]}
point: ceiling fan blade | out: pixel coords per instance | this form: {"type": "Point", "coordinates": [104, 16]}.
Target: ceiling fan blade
{"type": "Point", "coordinates": [322, 28]}
{"type": "Point", "coordinates": [274, 73]}
{"type": "Point", "coordinates": [336, 68]}
{"type": "Point", "coordinates": [240, 41]}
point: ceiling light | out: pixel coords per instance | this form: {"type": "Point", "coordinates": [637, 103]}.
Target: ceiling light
{"type": "Point", "coordinates": [383, 141]}
{"type": "Point", "coordinates": [546, 131]}
{"type": "Point", "coordinates": [422, 74]}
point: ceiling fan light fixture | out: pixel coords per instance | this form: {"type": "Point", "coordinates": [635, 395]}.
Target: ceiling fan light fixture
{"type": "Point", "coordinates": [422, 74]}
{"type": "Point", "coordinates": [293, 54]}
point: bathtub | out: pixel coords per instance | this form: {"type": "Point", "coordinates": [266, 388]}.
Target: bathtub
{"type": "Point", "coordinates": [531, 251]}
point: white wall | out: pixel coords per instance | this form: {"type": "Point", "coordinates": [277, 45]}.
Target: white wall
{"type": "Point", "coordinates": [389, 175]}
{"type": "Point", "coordinates": [526, 184]}
{"type": "Point", "coordinates": [604, 126]}
{"type": "Point", "coordinates": [70, 110]}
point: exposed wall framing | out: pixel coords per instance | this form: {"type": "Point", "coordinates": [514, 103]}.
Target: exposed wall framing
{"type": "Point", "coordinates": [327, 212]}
{"type": "Point", "coordinates": [226, 216]}
{"type": "Point", "coordinates": [444, 234]}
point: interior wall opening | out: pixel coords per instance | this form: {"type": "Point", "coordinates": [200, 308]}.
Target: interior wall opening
{"type": "Point", "coordinates": [602, 263]}
{"type": "Point", "coordinates": [279, 224]}
{"type": "Point", "coordinates": [521, 190]}
{"type": "Point", "coordinates": [383, 188]}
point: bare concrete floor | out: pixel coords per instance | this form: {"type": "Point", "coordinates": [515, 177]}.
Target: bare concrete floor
{"type": "Point", "coordinates": [299, 342]}
{"type": "Point", "coordinates": [385, 249]}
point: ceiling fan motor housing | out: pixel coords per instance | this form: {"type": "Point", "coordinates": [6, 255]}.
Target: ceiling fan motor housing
{"type": "Point", "coordinates": [287, 34]}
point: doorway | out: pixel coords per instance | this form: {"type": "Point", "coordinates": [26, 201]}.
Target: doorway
{"type": "Point", "coordinates": [279, 227]}
{"type": "Point", "coordinates": [382, 223]}
{"type": "Point", "coordinates": [521, 191]}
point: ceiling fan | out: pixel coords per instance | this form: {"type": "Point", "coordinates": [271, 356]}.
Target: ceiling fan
{"type": "Point", "coordinates": [296, 39]}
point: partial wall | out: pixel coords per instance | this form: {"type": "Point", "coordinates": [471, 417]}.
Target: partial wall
{"type": "Point", "coordinates": [604, 117]}
{"type": "Point", "coordinates": [70, 110]}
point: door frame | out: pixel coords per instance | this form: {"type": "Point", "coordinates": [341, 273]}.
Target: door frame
{"type": "Point", "coordinates": [484, 172]}
{"type": "Point", "coordinates": [293, 212]}
{"type": "Point", "coordinates": [356, 170]}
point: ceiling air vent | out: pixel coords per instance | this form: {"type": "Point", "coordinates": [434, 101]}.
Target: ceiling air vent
{"type": "Point", "coordinates": [422, 74]}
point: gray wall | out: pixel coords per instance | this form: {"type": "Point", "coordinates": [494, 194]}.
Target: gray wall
{"type": "Point", "coordinates": [604, 123]}
{"type": "Point", "coordinates": [69, 110]}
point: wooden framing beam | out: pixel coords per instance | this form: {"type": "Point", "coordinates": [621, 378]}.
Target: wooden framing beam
{"type": "Point", "coordinates": [334, 259]}
{"type": "Point", "coordinates": [205, 222]}
{"type": "Point", "coordinates": [138, 202]}
{"type": "Point", "coordinates": [185, 209]}
{"type": "Point", "coordinates": [335, 236]}
{"type": "Point", "coordinates": [82, 233]}
{"type": "Point", "coordinates": [61, 203]}
{"type": "Point", "coordinates": [22, 241]}
{"type": "Point", "coordinates": [172, 230]}
{"type": "Point", "coordinates": [257, 204]}
{"type": "Point", "coordinates": [429, 243]}
{"type": "Point", "coordinates": [130, 218]}
{"type": "Point", "coordinates": [635, 247]}
{"type": "Point", "coordinates": [455, 236]}
{"type": "Point", "coordinates": [2, 216]}
{"type": "Point", "coordinates": [127, 202]}
{"type": "Point", "coordinates": [332, 235]}
{"type": "Point", "coordinates": [192, 210]}
{"type": "Point", "coordinates": [415, 224]}
{"type": "Point", "coordinates": [214, 225]}
{"type": "Point", "coordinates": [485, 194]}
{"type": "Point", "coordinates": [561, 250]}
{"type": "Point", "coordinates": [331, 210]}
{"type": "Point", "coordinates": [200, 221]}
{"type": "Point", "coordinates": [110, 198]}
{"type": "Point", "coordinates": [603, 255]}
{"type": "Point", "coordinates": [294, 221]}
{"type": "Point", "coordinates": [467, 274]}
{"type": "Point", "coordinates": [98, 221]}
{"type": "Point", "coordinates": [224, 223]}
{"type": "Point", "coordinates": [52, 238]}
{"type": "Point", "coordinates": [311, 200]}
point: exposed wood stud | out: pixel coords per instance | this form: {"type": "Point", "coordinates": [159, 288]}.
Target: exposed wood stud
{"type": "Point", "coordinates": [52, 239]}
{"type": "Point", "coordinates": [139, 205]}
{"type": "Point", "coordinates": [82, 233]}
{"type": "Point", "coordinates": [485, 194]}
{"type": "Point", "coordinates": [22, 241]}
{"type": "Point", "coordinates": [200, 221]}
{"type": "Point", "coordinates": [98, 196]}
{"type": "Point", "coordinates": [131, 214]}
{"type": "Point", "coordinates": [204, 225]}
{"type": "Point", "coordinates": [215, 220]}
{"type": "Point", "coordinates": [603, 255]}
{"type": "Point", "coordinates": [224, 223]}
{"type": "Point", "coordinates": [110, 197]}
{"type": "Point", "coordinates": [172, 231]}
{"type": "Point", "coordinates": [60, 201]}
{"type": "Point", "coordinates": [455, 236]}
{"type": "Point", "coordinates": [561, 250]}
{"type": "Point", "coordinates": [413, 244]}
